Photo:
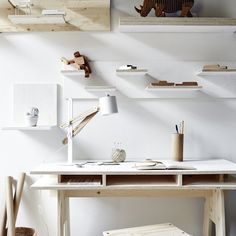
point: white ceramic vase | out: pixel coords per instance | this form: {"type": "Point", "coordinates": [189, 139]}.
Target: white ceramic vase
{"type": "Point", "coordinates": [31, 120]}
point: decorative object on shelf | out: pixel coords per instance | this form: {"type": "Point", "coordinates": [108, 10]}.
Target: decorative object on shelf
{"type": "Point", "coordinates": [80, 62]}
{"type": "Point", "coordinates": [162, 7]}
{"type": "Point", "coordinates": [216, 67]}
{"type": "Point", "coordinates": [164, 83]}
{"type": "Point", "coordinates": [32, 116]}
{"type": "Point", "coordinates": [107, 106]}
{"type": "Point", "coordinates": [128, 67]}
{"type": "Point", "coordinates": [118, 154]}
{"type": "Point", "coordinates": [130, 70]}
{"type": "Point", "coordinates": [186, 84]}
{"type": "Point", "coordinates": [177, 143]}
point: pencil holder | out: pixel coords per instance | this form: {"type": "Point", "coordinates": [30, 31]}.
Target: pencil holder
{"type": "Point", "coordinates": [177, 147]}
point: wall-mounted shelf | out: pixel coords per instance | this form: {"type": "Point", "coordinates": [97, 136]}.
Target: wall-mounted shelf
{"type": "Point", "coordinates": [72, 72]}
{"type": "Point", "coordinates": [177, 24]}
{"type": "Point", "coordinates": [22, 128]}
{"type": "Point", "coordinates": [217, 73]}
{"type": "Point", "coordinates": [173, 88]}
{"type": "Point", "coordinates": [100, 88]}
{"type": "Point", "coordinates": [37, 19]}
{"type": "Point", "coordinates": [137, 72]}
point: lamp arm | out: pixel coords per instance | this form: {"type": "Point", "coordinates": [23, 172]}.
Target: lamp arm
{"type": "Point", "coordinates": [80, 118]}
{"type": "Point", "coordinates": [80, 126]}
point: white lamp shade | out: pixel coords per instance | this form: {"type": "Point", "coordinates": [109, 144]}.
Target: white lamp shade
{"type": "Point", "coordinates": [108, 105]}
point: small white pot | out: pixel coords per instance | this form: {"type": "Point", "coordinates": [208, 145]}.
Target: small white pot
{"type": "Point", "coordinates": [31, 121]}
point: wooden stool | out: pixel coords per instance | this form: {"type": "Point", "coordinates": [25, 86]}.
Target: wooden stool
{"type": "Point", "coordinates": [151, 230]}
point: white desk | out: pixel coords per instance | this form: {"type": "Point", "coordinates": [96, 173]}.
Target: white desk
{"type": "Point", "coordinates": [209, 180]}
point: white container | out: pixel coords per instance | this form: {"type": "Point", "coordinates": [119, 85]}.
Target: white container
{"type": "Point", "coordinates": [31, 121]}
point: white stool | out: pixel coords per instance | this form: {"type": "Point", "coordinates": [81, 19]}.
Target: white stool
{"type": "Point", "coordinates": [151, 230]}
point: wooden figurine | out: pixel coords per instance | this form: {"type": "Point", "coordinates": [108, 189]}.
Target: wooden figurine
{"type": "Point", "coordinates": [80, 62]}
{"type": "Point", "coordinates": [162, 7]}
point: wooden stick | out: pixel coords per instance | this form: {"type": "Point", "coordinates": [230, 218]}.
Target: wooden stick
{"type": "Point", "coordinates": [182, 127]}
{"type": "Point", "coordinates": [18, 194]}
{"type": "Point", "coordinates": [9, 206]}
{"type": "Point", "coordinates": [3, 220]}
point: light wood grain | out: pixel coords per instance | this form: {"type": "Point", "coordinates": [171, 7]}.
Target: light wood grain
{"type": "Point", "coordinates": [18, 195]}
{"type": "Point", "coordinates": [10, 207]}
{"type": "Point", "coordinates": [151, 230]}
{"type": "Point", "coordinates": [91, 15]}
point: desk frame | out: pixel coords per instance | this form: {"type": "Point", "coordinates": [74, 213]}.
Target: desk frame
{"type": "Point", "coordinates": [214, 209]}
{"type": "Point", "coordinates": [208, 181]}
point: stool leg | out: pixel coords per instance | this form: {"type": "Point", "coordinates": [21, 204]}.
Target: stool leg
{"type": "Point", "coordinates": [10, 207]}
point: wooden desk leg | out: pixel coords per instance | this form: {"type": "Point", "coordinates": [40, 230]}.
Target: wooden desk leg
{"type": "Point", "coordinates": [214, 211]}
{"type": "Point", "coordinates": [61, 213]}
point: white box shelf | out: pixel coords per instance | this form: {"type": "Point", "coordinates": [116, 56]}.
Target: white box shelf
{"type": "Point", "coordinates": [22, 128]}
{"type": "Point", "coordinates": [100, 88]}
{"type": "Point", "coordinates": [173, 88]}
{"type": "Point", "coordinates": [217, 73]}
{"type": "Point", "coordinates": [178, 24]}
{"type": "Point", "coordinates": [136, 72]}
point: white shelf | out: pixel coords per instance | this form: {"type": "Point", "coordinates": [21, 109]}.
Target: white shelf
{"type": "Point", "coordinates": [100, 88]}
{"type": "Point", "coordinates": [22, 128]}
{"type": "Point", "coordinates": [73, 72]}
{"type": "Point", "coordinates": [217, 73]}
{"type": "Point", "coordinates": [173, 88]}
{"type": "Point", "coordinates": [177, 24]}
{"type": "Point", "coordinates": [37, 19]}
{"type": "Point", "coordinates": [136, 72]}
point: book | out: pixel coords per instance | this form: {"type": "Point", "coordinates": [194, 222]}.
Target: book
{"type": "Point", "coordinates": [164, 165]}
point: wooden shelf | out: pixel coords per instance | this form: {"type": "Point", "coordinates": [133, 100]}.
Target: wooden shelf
{"type": "Point", "coordinates": [22, 128]}
{"type": "Point", "coordinates": [177, 24]}
{"type": "Point", "coordinates": [37, 19]}
{"type": "Point", "coordinates": [137, 72]}
{"type": "Point", "coordinates": [100, 88]}
{"type": "Point", "coordinates": [217, 73]}
{"type": "Point", "coordinates": [173, 88]}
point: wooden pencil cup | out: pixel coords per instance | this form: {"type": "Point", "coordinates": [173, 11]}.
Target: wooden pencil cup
{"type": "Point", "coordinates": [177, 147]}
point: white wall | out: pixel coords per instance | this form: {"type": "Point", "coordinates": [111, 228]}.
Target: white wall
{"type": "Point", "coordinates": [143, 126]}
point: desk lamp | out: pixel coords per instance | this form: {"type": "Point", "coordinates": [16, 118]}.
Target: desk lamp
{"type": "Point", "coordinates": [107, 106]}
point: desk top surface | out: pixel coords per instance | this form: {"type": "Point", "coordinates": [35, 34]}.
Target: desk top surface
{"type": "Point", "coordinates": [218, 166]}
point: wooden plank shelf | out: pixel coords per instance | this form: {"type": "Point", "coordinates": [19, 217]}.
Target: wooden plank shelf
{"type": "Point", "coordinates": [37, 19]}
{"type": "Point", "coordinates": [137, 72]}
{"type": "Point", "coordinates": [173, 88]}
{"type": "Point", "coordinates": [178, 24]}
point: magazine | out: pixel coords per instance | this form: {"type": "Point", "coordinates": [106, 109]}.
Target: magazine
{"type": "Point", "coordinates": [162, 165]}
